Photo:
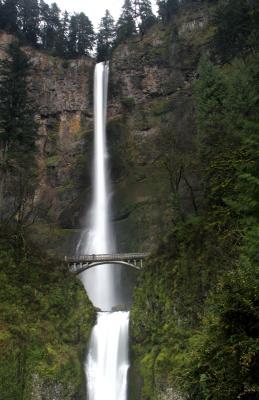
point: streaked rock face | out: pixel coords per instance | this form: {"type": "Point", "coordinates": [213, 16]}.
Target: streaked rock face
{"type": "Point", "coordinates": [62, 93]}
{"type": "Point", "coordinates": [150, 93]}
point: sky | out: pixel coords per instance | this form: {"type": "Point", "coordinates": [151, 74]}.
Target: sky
{"type": "Point", "coordinates": [94, 9]}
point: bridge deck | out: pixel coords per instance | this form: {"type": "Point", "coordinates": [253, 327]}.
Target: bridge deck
{"type": "Point", "coordinates": [106, 257]}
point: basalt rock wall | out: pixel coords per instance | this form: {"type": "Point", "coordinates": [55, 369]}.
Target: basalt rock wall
{"type": "Point", "coordinates": [151, 134]}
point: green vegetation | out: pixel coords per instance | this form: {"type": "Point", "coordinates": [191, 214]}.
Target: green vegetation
{"type": "Point", "coordinates": [44, 26]}
{"type": "Point", "coordinates": [126, 26]}
{"type": "Point", "coordinates": [105, 37]}
{"type": "Point", "coordinates": [195, 319]}
{"type": "Point", "coordinates": [45, 315]}
{"type": "Point", "coordinates": [18, 134]}
{"type": "Point", "coordinates": [45, 321]}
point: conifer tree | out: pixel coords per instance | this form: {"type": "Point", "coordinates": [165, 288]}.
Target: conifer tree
{"type": "Point", "coordinates": [18, 134]}
{"type": "Point", "coordinates": [42, 25]}
{"type": "Point", "coordinates": [54, 26]}
{"type": "Point", "coordinates": [105, 37]}
{"type": "Point", "coordinates": [237, 28]}
{"type": "Point", "coordinates": [146, 15]}
{"type": "Point", "coordinates": [81, 35]}
{"type": "Point", "coordinates": [44, 17]}
{"type": "Point", "coordinates": [72, 36]}
{"type": "Point", "coordinates": [29, 19]}
{"type": "Point", "coordinates": [86, 35]}
{"type": "Point", "coordinates": [50, 26]}
{"type": "Point", "coordinates": [62, 40]}
{"type": "Point", "coordinates": [212, 134]}
{"type": "Point", "coordinates": [1, 14]}
{"type": "Point", "coordinates": [126, 26]}
{"type": "Point", "coordinates": [167, 9]}
{"type": "Point", "coordinates": [143, 14]}
{"type": "Point", "coordinates": [9, 16]}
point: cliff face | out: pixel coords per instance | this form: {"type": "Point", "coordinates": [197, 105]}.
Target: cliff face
{"type": "Point", "coordinates": [62, 92]}
{"type": "Point", "coordinates": [150, 133]}
{"type": "Point", "coordinates": [152, 128]}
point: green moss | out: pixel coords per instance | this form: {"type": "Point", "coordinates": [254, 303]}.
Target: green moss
{"type": "Point", "coordinates": [128, 103]}
{"type": "Point", "coordinates": [45, 321]}
{"type": "Point", "coordinates": [52, 161]}
{"type": "Point", "coordinates": [161, 106]}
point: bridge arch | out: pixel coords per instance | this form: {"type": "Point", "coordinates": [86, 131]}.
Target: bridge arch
{"type": "Point", "coordinates": [86, 267]}
{"type": "Point", "coordinates": [79, 264]}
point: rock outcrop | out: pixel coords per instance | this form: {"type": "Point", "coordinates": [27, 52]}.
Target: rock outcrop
{"type": "Point", "coordinates": [152, 126]}
{"type": "Point", "coordinates": [151, 132]}
{"type": "Point", "coordinates": [62, 93]}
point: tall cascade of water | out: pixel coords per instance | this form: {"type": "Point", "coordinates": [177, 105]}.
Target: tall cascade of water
{"type": "Point", "coordinates": [107, 361]}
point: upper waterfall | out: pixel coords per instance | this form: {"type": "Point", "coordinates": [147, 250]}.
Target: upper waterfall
{"type": "Point", "coordinates": [99, 238]}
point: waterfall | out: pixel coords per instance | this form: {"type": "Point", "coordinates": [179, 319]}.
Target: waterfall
{"type": "Point", "coordinates": [99, 238]}
{"type": "Point", "coordinates": [107, 361]}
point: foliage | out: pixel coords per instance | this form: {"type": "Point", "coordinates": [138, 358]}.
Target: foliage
{"type": "Point", "coordinates": [18, 134]}
{"type": "Point", "coordinates": [125, 26]}
{"type": "Point", "coordinates": [195, 314]}
{"type": "Point", "coordinates": [237, 27]}
{"type": "Point", "coordinates": [167, 9]}
{"type": "Point", "coordinates": [222, 360]}
{"type": "Point", "coordinates": [45, 320]}
{"type": "Point", "coordinates": [81, 35]}
{"type": "Point", "coordinates": [44, 26]}
{"type": "Point", "coordinates": [105, 37]}
{"type": "Point", "coordinates": [119, 147]}
{"type": "Point", "coordinates": [143, 14]}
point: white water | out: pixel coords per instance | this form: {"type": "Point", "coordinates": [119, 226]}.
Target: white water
{"type": "Point", "coordinates": [99, 237]}
{"type": "Point", "coordinates": [107, 362]}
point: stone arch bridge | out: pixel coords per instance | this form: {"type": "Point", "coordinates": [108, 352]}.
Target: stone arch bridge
{"type": "Point", "coordinates": [79, 264]}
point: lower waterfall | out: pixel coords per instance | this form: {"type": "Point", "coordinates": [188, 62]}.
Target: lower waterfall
{"type": "Point", "coordinates": [107, 361]}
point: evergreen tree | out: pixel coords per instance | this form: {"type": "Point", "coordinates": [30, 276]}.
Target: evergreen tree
{"type": "Point", "coordinates": [126, 25]}
{"type": "Point", "coordinates": [237, 28]}
{"type": "Point", "coordinates": [146, 15]}
{"type": "Point", "coordinates": [217, 150]}
{"type": "Point", "coordinates": [62, 40]}
{"type": "Point", "coordinates": [44, 16]}
{"type": "Point", "coordinates": [38, 24]}
{"type": "Point", "coordinates": [72, 36]}
{"type": "Point", "coordinates": [51, 26]}
{"type": "Point", "coordinates": [18, 133]}
{"type": "Point", "coordinates": [9, 17]}
{"type": "Point", "coordinates": [86, 35]}
{"type": "Point", "coordinates": [143, 14]}
{"type": "Point", "coordinates": [105, 37]}
{"type": "Point", "coordinates": [167, 9]}
{"type": "Point", "coordinates": [29, 19]}
{"type": "Point", "coordinates": [1, 15]}
{"type": "Point", "coordinates": [54, 26]}
{"type": "Point", "coordinates": [81, 35]}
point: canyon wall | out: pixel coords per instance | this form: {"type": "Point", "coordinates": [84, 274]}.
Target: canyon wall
{"type": "Point", "coordinates": [151, 132]}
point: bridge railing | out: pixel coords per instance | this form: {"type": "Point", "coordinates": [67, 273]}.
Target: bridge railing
{"type": "Point", "coordinates": [106, 257]}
